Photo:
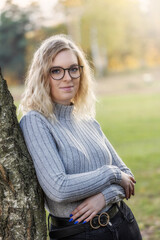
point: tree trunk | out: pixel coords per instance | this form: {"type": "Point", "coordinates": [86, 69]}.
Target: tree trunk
{"type": "Point", "coordinates": [22, 213]}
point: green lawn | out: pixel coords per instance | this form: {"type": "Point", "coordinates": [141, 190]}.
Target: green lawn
{"type": "Point", "coordinates": [132, 124]}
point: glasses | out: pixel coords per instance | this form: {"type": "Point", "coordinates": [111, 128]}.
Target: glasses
{"type": "Point", "coordinates": [57, 73]}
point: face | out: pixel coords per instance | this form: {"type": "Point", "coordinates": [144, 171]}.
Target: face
{"type": "Point", "coordinates": [64, 90]}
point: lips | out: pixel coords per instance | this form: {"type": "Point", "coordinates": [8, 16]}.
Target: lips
{"type": "Point", "coordinates": [67, 88]}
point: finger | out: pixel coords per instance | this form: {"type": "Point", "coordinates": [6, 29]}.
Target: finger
{"type": "Point", "coordinates": [133, 188]}
{"type": "Point", "coordinates": [127, 192]}
{"type": "Point", "coordinates": [77, 209]}
{"type": "Point", "coordinates": [133, 180]}
{"type": "Point", "coordinates": [130, 190]}
{"type": "Point", "coordinates": [91, 216]}
{"type": "Point", "coordinates": [84, 216]}
{"type": "Point", "coordinates": [80, 213]}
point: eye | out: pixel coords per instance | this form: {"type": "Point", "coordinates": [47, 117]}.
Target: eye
{"type": "Point", "coordinates": [74, 69]}
{"type": "Point", "coordinates": [56, 71]}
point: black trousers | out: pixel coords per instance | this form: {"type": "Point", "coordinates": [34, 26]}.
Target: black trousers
{"type": "Point", "coordinates": [123, 227]}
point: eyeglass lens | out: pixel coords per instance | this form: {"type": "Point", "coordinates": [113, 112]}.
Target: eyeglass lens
{"type": "Point", "coordinates": [58, 73]}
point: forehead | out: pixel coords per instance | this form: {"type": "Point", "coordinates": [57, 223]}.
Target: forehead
{"type": "Point", "coordinates": [65, 58]}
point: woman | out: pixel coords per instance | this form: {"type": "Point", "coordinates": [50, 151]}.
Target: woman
{"type": "Point", "coordinates": [83, 178]}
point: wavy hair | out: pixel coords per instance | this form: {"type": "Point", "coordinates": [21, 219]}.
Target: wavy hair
{"type": "Point", "coordinates": [37, 93]}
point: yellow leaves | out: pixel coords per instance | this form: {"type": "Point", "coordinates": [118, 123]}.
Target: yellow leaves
{"type": "Point", "coordinates": [128, 62]}
{"type": "Point", "coordinates": [152, 56]}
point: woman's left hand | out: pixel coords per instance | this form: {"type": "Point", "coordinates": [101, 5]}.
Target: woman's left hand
{"type": "Point", "coordinates": [88, 208]}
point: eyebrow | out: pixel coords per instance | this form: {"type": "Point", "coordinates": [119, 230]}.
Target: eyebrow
{"type": "Point", "coordinates": [74, 64]}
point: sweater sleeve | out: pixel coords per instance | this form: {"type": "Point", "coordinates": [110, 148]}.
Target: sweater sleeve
{"type": "Point", "coordinates": [56, 184]}
{"type": "Point", "coordinates": [113, 193]}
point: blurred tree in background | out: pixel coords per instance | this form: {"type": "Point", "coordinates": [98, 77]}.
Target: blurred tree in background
{"type": "Point", "coordinates": [34, 38]}
{"type": "Point", "coordinates": [123, 32]}
{"type": "Point", "coordinates": [13, 26]}
{"type": "Point", "coordinates": [117, 36]}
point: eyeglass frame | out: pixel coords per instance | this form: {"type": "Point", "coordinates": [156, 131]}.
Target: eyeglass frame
{"type": "Point", "coordinates": [64, 69]}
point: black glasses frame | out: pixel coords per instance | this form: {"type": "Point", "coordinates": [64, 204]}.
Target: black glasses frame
{"type": "Point", "coordinates": [64, 71]}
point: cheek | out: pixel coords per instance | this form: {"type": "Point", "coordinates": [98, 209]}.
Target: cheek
{"type": "Point", "coordinates": [53, 87]}
{"type": "Point", "coordinates": [53, 84]}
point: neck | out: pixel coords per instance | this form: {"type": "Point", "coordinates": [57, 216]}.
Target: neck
{"type": "Point", "coordinates": [63, 112]}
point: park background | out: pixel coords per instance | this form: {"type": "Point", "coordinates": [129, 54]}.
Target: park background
{"type": "Point", "coordinates": [122, 42]}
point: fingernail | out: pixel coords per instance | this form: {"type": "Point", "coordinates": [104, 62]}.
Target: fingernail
{"type": "Point", "coordinates": [76, 222]}
{"type": "Point", "coordinates": [71, 215]}
{"type": "Point", "coordinates": [84, 222]}
{"type": "Point", "coordinates": [70, 220]}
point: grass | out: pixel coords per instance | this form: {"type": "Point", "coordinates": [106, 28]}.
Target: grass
{"type": "Point", "coordinates": [131, 122]}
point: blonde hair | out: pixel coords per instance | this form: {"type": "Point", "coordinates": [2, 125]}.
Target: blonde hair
{"type": "Point", "coordinates": [37, 94]}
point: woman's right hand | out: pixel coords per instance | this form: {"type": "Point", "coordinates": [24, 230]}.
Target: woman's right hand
{"type": "Point", "coordinates": [128, 183]}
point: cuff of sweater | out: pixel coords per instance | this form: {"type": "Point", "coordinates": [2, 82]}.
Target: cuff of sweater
{"type": "Point", "coordinates": [117, 175]}
{"type": "Point", "coordinates": [113, 194]}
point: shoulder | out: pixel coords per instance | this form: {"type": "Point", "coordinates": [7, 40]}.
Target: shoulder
{"type": "Point", "coordinates": [32, 117]}
{"type": "Point", "coordinates": [95, 123]}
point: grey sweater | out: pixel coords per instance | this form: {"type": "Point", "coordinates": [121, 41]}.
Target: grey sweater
{"type": "Point", "coordinates": [73, 160]}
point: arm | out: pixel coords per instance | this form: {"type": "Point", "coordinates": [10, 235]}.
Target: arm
{"type": "Point", "coordinates": [92, 205]}
{"type": "Point", "coordinates": [56, 184]}
{"type": "Point", "coordinates": [116, 160]}
{"type": "Point", "coordinates": [116, 192]}
{"type": "Point", "coordinates": [113, 193]}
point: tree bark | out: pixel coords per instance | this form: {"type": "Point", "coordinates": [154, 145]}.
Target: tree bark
{"type": "Point", "coordinates": [22, 213]}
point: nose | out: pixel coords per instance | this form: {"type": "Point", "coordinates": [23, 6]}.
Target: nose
{"type": "Point", "coordinates": [66, 75]}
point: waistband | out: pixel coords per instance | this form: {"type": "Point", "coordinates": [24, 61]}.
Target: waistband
{"type": "Point", "coordinates": [64, 228]}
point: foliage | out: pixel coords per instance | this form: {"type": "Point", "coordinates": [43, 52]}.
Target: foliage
{"type": "Point", "coordinates": [124, 32]}
{"type": "Point", "coordinates": [34, 38]}
{"type": "Point", "coordinates": [116, 35]}
{"type": "Point", "coordinates": [14, 24]}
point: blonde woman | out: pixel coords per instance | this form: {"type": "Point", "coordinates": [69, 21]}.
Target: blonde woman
{"type": "Point", "coordinates": [83, 178]}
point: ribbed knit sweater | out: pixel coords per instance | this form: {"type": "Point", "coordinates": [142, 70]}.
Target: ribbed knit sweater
{"type": "Point", "coordinates": [73, 160]}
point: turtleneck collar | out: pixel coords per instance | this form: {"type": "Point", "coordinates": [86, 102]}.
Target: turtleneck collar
{"type": "Point", "coordinates": [63, 112]}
